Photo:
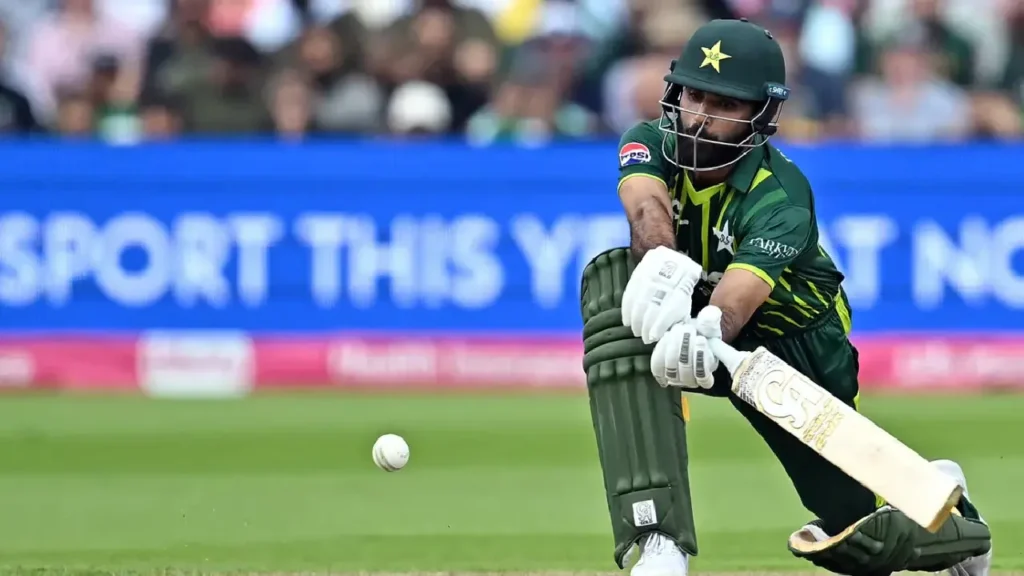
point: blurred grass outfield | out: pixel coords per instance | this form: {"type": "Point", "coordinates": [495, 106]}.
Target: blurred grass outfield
{"type": "Point", "coordinates": [495, 483]}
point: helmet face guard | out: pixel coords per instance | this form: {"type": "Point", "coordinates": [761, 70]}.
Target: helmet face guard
{"type": "Point", "coordinates": [762, 126]}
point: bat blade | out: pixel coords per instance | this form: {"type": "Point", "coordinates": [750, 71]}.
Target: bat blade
{"type": "Point", "coordinates": [846, 438]}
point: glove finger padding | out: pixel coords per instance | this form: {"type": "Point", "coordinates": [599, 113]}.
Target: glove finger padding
{"type": "Point", "coordinates": [632, 309]}
{"type": "Point", "coordinates": [663, 362]}
{"type": "Point", "coordinates": [704, 363]}
{"type": "Point", "coordinates": [684, 359]}
{"type": "Point", "coordinates": [643, 311]}
{"type": "Point", "coordinates": [888, 541]}
{"type": "Point", "coordinates": [675, 308]}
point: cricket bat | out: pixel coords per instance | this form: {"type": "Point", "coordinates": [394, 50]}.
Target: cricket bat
{"type": "Point", "coordinates": [844, 437]}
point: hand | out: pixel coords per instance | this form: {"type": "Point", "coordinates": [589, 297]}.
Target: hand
{"type": "Point", "coordinates": [659, 293]}
{"type": "Point", "coordinates": [683, 358]}
{"type": "Point", "coordinates": [709, 322]}
{"type": "Point", "coordinates": [880, 543]}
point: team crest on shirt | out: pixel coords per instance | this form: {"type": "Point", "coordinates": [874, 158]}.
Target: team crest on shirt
{"type": "Point", "coordinates": [634, 153]}
{"type": "Point", "coordinates": [724, 238]}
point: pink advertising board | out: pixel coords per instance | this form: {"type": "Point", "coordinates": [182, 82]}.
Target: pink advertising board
{"type": "Point", "coordinates": [232, 364]}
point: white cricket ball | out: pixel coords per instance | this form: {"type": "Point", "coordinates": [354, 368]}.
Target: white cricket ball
{"type": "Point", "coordinates": [390, 452]}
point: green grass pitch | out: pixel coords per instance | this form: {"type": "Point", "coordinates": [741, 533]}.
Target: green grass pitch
{"type": "Point", "coordinates": [285, 483]}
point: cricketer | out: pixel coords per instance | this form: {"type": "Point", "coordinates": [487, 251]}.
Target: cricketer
{"type": "Point", "coordinates": [723, 226]}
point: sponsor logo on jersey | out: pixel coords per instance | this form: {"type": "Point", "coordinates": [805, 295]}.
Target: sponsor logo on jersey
{"type": "Point", "coordinates": [775, 249]}
{"type": "Point", "coordinates": [634, 153]}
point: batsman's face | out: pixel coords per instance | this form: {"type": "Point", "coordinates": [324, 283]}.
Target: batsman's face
{"type": "Point", "coordinates": [715, 117]}
{"type": "Point", "coordinates": [715, 125]}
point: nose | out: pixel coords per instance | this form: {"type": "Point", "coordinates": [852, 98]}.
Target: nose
{"type": "Point", "coordinates": [699, 120]}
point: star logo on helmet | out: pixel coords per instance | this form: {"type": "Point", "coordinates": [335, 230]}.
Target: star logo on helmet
{"type": "Point", "coordinates": [713, 56]}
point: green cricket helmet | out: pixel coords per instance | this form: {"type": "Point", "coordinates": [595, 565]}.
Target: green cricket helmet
{"type": "Point", "coordinates": [730, 58]}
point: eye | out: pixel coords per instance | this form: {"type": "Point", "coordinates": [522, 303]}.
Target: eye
{"type": "Point", "coordinates": [729, 105]}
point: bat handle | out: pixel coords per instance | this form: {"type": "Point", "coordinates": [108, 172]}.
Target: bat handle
{"type": "Point", "coordinates": [731, 357]}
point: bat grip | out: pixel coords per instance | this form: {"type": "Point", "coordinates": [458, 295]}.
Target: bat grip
{"type": "Point", "coordinates": [726, 354]}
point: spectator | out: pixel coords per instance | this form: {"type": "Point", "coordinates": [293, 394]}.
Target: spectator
{"type": "Point", "coordinates": [778, 11]}
{"type": "Point", "coordinates": [954, 53]}
{"type": "Point", "coordinates": [291, 106]}
{"type": "Point", "coordinates": [113, 102]}
{"type": "Point", "coordinates": [419, 108]}
{"type": "Point", "coordinates": [1012, 81]}
{"type": "Point", "coordinates": [179, 59]}
{"type": "Point", "coordinates": [804, 114]}
{"type": "Point", "coordinates": [999, 111]}
{"type": "Point", "coordinates": [351, 28]}
{"type": "Point", "coordinates": [230, 100]}
{"type": "Point", "coordinates": [74, 113]}
{"type": "Point", "coordinates": [21, 18]}
{"type": "Point", "coordinates": [648, 90]}
{"type": "Point", "coordinates": [825, 63]}
{"type": "Point", "coordinates": [63, 47]}
{"type": "Point", "coordinates": [16, 114]}
{"type": "Point", "coordinates": [561, 68]}
{"type": "Point", "coordinates": [446, 45]}
{"type": "Point", "coordinates": [630, 66]}
{"type": "Point", "coordinates": [910, 102]}
{"type": "Point", "coordinates": [266, 24]}
{"type": "Point", "coordinates": [474, 64]}
{"type": "Point", "coordinates": [161, 117]}
{"type": "Point", "coordinates": [347, 100]}
{"type": "Point", "coordinates": [531, 106]}
{"type": "Point", "coordinates": [371, 15]}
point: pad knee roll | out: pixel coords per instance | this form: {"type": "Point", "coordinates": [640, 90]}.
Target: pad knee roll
{"type": "Point", "coordinates": [640, 430]}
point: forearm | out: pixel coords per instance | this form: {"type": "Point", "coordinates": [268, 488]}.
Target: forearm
{"type": "Point", "coordinates": [732, 323]}
{"type": "Point", "coordinates": [738, 295]}
{"type": "Point", "coordinates": [650, 226]}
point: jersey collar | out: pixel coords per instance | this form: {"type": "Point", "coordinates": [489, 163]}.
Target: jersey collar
{"type": "Point", "coordinates": [746, 169]}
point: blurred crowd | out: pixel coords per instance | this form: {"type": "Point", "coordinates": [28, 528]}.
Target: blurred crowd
{"type": "Point", "coordinates": [491, 70]}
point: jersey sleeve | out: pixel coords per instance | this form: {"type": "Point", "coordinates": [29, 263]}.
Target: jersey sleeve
{"type": "Point", "coordinates": [772, 240]}
{"type": "Point", "coordinates": [640, 154]}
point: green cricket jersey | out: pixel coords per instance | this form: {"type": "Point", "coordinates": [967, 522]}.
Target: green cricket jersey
{"type": "Point", "coordinates": [761, 220]}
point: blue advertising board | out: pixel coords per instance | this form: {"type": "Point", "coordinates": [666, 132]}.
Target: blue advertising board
{"type": "Point", "coordinates": [441, 237]}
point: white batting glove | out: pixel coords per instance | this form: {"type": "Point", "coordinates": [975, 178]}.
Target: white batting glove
{"type": "Point", "coordinates": [709, 322]}
{"type": "Point", "coordinates": [659, 293]}
{"type": "Point", "coordinates": [683, 358]}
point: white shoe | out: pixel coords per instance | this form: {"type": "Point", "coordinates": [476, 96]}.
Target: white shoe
{"type": "Point", "coordinates": [979, 565]}
{"type": "Point", "coordinates": [660, 557]}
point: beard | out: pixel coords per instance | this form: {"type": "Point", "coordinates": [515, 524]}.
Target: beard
{"type": "Point", "coordinates": [711, 150]}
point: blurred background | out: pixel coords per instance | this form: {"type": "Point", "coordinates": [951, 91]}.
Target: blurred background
{"type": "Point", "coordinates": [492, 70]}
{"type": "Point", "coordinates": [301, 224]}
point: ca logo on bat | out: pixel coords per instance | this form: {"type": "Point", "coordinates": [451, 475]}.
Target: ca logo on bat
{"type": "Point", "coordinates": [785, 398]}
